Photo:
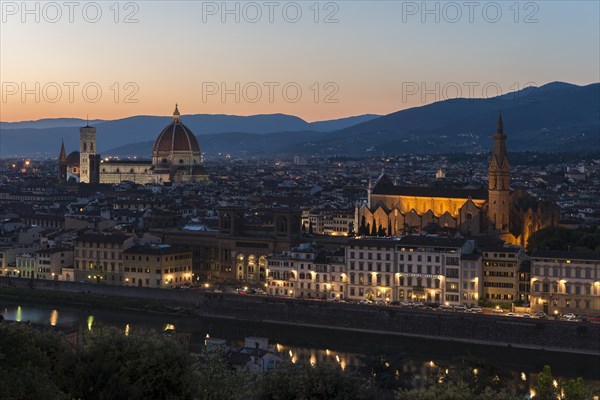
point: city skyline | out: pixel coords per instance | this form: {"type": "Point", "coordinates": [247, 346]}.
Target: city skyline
{"type": "Point", "coordinates": [357, 58]}
{"type": "Point", "coordinates": [392, 200]}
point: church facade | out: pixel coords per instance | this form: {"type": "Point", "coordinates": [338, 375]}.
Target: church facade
{"type": "Point", "coordinates": [176, 158]}
{"type": "Point", "coordinates": [394, 210]}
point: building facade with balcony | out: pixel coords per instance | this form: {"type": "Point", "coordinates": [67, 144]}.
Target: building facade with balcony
{"type": "Point", "coordinates": [565, 282]}
{"type": "Point", "coordinates": [307, 272]}
{"type": "Point", "coordinates": [430, 269]}
{"type": "Point", "coordinates": [413, 269]}
{"type": "Point", "coordinates": [371, 269]}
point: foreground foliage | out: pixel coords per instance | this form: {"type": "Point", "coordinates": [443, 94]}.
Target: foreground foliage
{"type": "Point", "coordinates": [107, 364]}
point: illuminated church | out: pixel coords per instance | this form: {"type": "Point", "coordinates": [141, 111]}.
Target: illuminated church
{"type": "Point", "coordinates": [176, 158]}
{"type": "Point", "coordinates": [514, 215]}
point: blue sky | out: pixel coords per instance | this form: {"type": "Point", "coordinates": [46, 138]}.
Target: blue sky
{"type": "Point", "coordinates": [362, 61]}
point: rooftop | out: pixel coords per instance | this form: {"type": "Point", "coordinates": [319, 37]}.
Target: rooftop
{"type": "Point", "coordinates": [568, 255]}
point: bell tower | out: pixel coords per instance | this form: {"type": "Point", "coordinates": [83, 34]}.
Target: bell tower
{"type": "Point", "coordinates": [499, 183]}
{"type": "Point", "coordinates": [87, 151]}
{"type": "Point", "coordinates": [62, 165]}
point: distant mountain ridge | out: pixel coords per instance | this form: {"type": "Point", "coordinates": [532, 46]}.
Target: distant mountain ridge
{"type": "Point", "coordinates": [554, 117]}
{"type": "Point", "coordinates": [48, 123]}
{"type": "Point", "coordinates": [43, 136]}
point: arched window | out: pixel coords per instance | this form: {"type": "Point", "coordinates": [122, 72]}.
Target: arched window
{"type": "Point", "coordinates": [251, 263]}
{"type": "Point", "coordinates": [281, 224]}
{"type": "Point", "coordinates": [181, 161]}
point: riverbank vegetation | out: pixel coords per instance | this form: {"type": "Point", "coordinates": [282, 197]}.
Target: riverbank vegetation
{"type": "Point", "coordinates": [39, 363]}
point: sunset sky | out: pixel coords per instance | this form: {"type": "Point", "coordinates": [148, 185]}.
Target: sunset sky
{"type": "Point", "coordinates": [367, 61]}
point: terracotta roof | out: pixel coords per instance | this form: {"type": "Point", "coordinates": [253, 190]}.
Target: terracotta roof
{"type": "Point", "coordinates": [176, 137]}
{"type": "Point", "coordinates": [73, 158]}
{"type": "Point", "coordinates": [385, 186]}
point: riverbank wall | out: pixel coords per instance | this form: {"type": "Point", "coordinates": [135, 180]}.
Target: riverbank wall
{"type": "Point", "coordinates": [458, 327]}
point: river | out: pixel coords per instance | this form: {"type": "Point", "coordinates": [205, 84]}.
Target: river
{"type": "Point", "coordinates": [316, 345]}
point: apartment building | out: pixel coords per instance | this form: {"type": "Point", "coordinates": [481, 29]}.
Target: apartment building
{"type": "Point", "coordinates": [98, 257]}
{"type": "Point", "coordinates": [565, 282]}
{"type": "Point", "coordinates": [371, 267]}
{"type": "Point", "coordinates": [307, 272]}
{"type": "Point", "coordinates": [501, 265]}
{"type": "Point", "coordinates": [45, 263]}
{"type": "Point", "coordinates": [430, 269]}
{"type": "Point", "coordinates": [157, 266]}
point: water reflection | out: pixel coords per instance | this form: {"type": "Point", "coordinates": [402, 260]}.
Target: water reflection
{"type": "Point", "coordinates": [54, 317]}
{"type": "Point", "coordinates": [414, 363]}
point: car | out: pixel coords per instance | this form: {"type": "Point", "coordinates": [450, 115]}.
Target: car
{"type": "Point", "coordinates": [365, 301]}
{"type": "Point", "coordinates": [217, 291]}
{"type": "Point", "coordinates": [395, 303]}
{"type": "Point", "coordinates": [476, 309]}
{"type": "Point", "coordinates": [540, 314]}
{"type": "Point", "coordinates": [380, 303]}
{"type": "Point", "coordinates": [526, 315]}
{"type": "Point", "coordinates": [460, 307]}
{"type": "Point", "coordinates": [497, 310]}
{"type": "Point", "coordinates": [569, 316]}
{"type": "Point", "coordinates": [446, 307]}
{"type": "Point", "coordinates": [405, 304]}
{"type": "Point", "coordinates": [511, 314]}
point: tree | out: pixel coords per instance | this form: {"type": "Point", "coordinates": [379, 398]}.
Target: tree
{"type": "Point", "coordinates": [362, 230]}
{"type": "Point", "coordinates": [301, 381]}
{"type": "Point", "coordinates": [454, 391]}
{"type": "Point", "coordinates": [351, 232]}
{"type": "Point", "coordinates": [387, 371]}
{"type": "Point", "coordinates": [374, 228]}
{"type": "Point", "coordinates": [217, 380]}
{"type": "Point", "coordinates": [30, 355]}
{"type": "Point", "coordinates": [544, 388]}
{"type": "Point", "coordinates": [310, 228]}
{"type": "Point", "coordinates": [575, 389]}
{"type": "Point", "coordinates": [140, 366]}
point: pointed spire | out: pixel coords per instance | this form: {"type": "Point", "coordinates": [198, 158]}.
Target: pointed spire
{"type": "Point", "coordinates": [500, 125]}
{"type": "Point", "coordinates": [63, 153]}
{"type": "Point", "coordinates": [176, 114]}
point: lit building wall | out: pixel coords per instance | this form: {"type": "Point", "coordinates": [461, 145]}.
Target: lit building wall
{"type": "Point", "coordinates": [157, 266]}
{"type": "Point", "coordinates": [565, 282]}
{"type": "Point", "coordinates": [500, 274]}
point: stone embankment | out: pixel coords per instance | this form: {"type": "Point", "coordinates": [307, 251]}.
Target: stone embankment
{"type": "Point", "coordinates": [461, 327]}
